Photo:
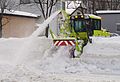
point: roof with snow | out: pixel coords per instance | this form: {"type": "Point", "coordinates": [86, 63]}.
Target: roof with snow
{"type": "Point", "coordinates": [108, 12]}
{"type": "Point", "coordinates": [20, 13]}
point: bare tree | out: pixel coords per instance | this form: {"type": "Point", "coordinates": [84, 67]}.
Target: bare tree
{"type": "Point", "coordinates": [93, 5]}
{"type": "Point", "coordinates": [4, 5]}
{"type": "Point", "coordinates": [46, 7]}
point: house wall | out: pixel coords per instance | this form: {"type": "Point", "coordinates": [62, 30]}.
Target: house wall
{"type": "Point", "coordinates": [32, 8]}
{"type": "Point", "coordinates": [18, 26]}
{"type": "Point", "coordinates": [109, 22]}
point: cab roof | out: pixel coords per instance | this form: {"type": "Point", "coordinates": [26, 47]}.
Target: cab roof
{"type": "Point", "coordinates": [94, 16]}
{"type": "Point", "coordinates": [87, 16]}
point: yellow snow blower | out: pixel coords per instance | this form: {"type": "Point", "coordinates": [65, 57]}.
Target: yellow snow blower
{"type": "Point", "coordinates": [76, 32]}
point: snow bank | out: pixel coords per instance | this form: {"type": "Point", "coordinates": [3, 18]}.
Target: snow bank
{"type": "Point", "coordinates": [104, 53]}
{"type": "Point", "coordinates": [109, 46]}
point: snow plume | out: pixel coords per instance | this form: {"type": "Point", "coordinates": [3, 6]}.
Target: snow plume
{"type": "Point", "coordinates": [33, 49]}
{"type": "Point", "coordinates": [44, 24]}
{"type": "Point", "coordinates": [31, 44]}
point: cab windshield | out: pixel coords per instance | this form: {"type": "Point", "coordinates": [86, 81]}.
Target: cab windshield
{"type": "Point", "coordinates": [78, 25]}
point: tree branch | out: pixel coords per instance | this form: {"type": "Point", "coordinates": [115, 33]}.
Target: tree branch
{"type": "Point", "coordinates": [47, 6]}
{"type": "Point", "coordinates": [41, 6]}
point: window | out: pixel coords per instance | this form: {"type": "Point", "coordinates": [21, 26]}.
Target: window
{"type": "Point", "coordinates": [78, 25]}
{"type": "Point", "coordinates": [118, 26]}
{"type": "Point", "coordinates": [96, 24]}
{"type": "Point", "coordinates": [24, 1]}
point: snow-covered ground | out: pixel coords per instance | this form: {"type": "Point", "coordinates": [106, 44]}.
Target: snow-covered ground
{"type": "Point", "coordinates": [42, 62]}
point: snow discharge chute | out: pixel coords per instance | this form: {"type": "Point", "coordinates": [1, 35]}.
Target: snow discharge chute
{"type": "Point", "coordinates": [45, 24]}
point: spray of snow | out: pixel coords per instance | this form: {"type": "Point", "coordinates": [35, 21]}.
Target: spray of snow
{"type": "Point", "coordinates": [44, 24]}
{"type": "Point", "coordinates": [57, 60]}
{"type": "Point", "coordinates": [30, 45]}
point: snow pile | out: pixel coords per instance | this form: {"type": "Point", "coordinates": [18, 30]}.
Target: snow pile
{"type": "Point", "coordinates": [58, 61]}
{"type": "Point", "coordinates": [104, 53]}
{"type": "Point", "coordinates": [109, 46]}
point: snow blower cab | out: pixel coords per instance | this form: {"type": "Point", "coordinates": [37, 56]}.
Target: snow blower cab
{"type": "Point", "coordinates": [87, 25]}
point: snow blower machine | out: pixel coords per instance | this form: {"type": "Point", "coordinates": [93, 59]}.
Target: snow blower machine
{"type": "Point", "coordinates": [76, 31]}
